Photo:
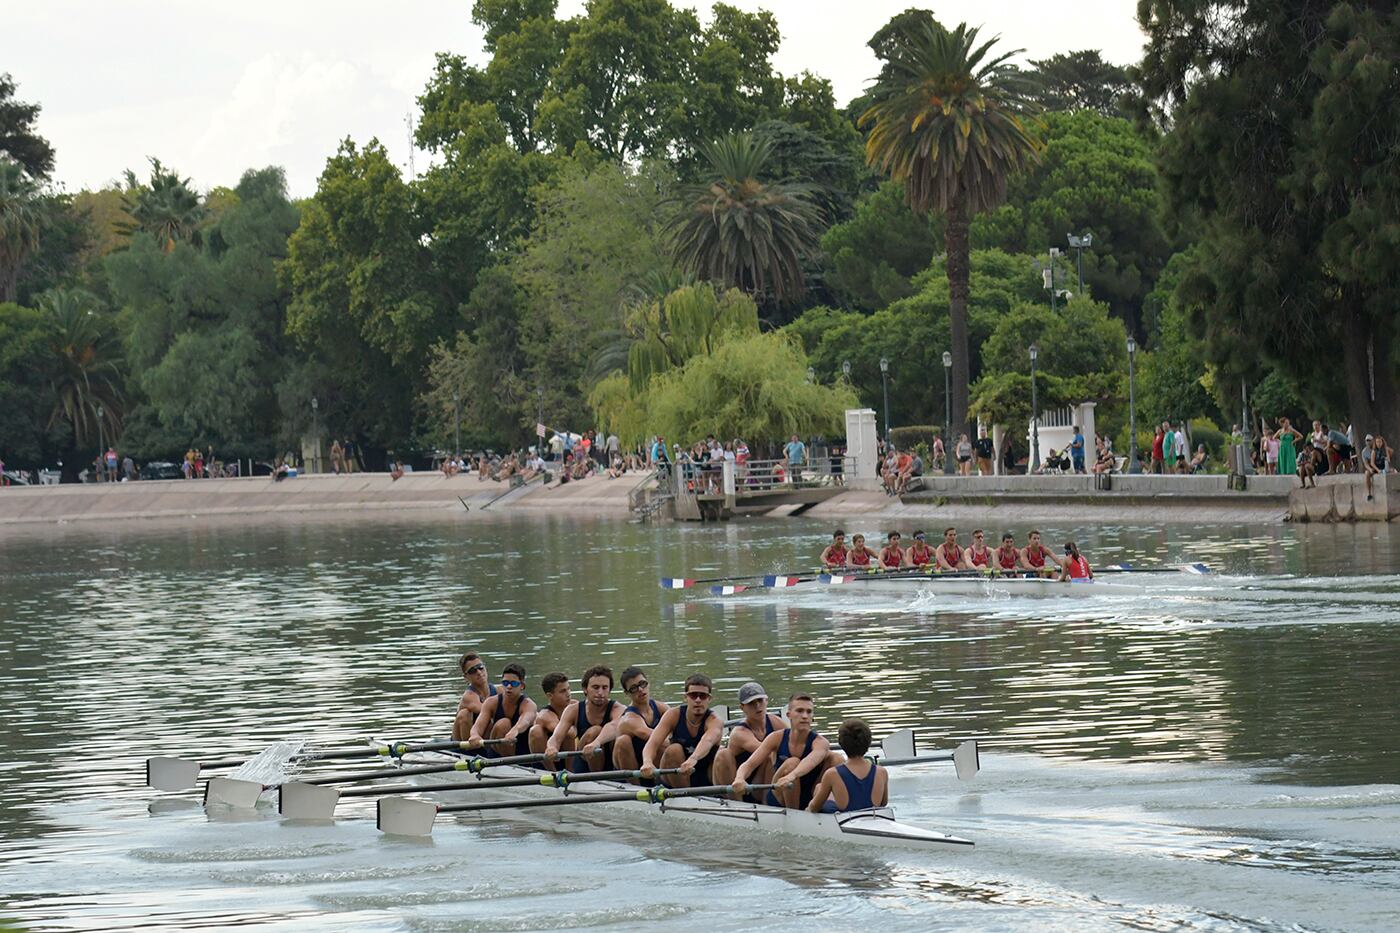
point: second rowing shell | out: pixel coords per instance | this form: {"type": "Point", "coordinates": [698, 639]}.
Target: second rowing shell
{"type": "Point", "coordinates": [978, 586]}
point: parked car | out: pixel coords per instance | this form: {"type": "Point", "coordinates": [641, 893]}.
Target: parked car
{"type": "Point", "coordinates": [161, 469]}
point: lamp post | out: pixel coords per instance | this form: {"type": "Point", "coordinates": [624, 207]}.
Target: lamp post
{"type": "Point", "coordinates": [1035, 413]}
{"type": "Point", "coordinates": [811, 374]}
{"type": "Point", "coordinates": [885, 388]}
{"type": "Point", "coordinates": [456, 423]}
{"type": "Point", "coordinates": [1246, 463]}
{"type": "Point", "coordinates": [1133, 465]}
{"type": "Point", "coordinates": [1054, 251]}
{"type": "Point", "coordinates": [97, 474]}
{"type": "Point", "coordinates": [1080, 244]}
{"type": "Point", "coordinates": [948, 446]}
{"type": "Point", "coordinates": [316, 435]}
{"type": "Point", "coordinates": [846, 369]}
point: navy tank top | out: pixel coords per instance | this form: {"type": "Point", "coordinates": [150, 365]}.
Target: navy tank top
{"type": "Point", "coordinates": [860, 792]}
{"type": "Point", "coordinates": [582, 725]}
{"type": "Point", "coordinates": [522, 741]}
{"type": "Point", "coordinates": [808, 782]}
{"type": "Point", "coordinates": [688, 741]}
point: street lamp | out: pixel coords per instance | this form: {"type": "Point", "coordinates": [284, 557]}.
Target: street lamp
{"type": "Point", "coordinates": [948, 445]}
{"type": "Point", "coordinates": [456, 423]}
{"type": "Point", "coordinates": [846, 369]}
{"type": "Point", "coordinates": [316, 434]}
{"type": "Point", "coordinates": [885, 388]}
{"type": "Point", "coordinates": [1080, 244]}
{"type": "Point", "coordinates": [811, 374]}
{"type": "Point", "coordinates": [1035, 413]}
{"type": "Point", "coordinates": [100, 444]}
{"type": "Point", "coordinates": [1133, 465]}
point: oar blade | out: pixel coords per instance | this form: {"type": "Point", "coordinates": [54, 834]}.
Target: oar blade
{"type": "Point", "coordinates": [778, 580]}
{"type": "Point", "coordinates": [836, 579]}
{"type": "Point", "coordinates": [727, 590]}
{"type": "Point", "coordinates": [404, 816]}
{"type": "Point", "coordinates": [232, 792]}
{"type": "Point", "coordinates": [171, 773]}
{"type": "Point", "coordinates": [965, 760]}
{"type": "Point", "coordinates": [898, 744]}
{"type": "Point", "coordinates": [1194, 568]}
{"type": "Point", "coordinates": [676, 583]}
{"type": "Point", "coordinates": [299, 801]}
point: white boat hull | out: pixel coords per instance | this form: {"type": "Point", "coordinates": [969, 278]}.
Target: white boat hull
{"type": "Point", "coordinates": [973, 586]}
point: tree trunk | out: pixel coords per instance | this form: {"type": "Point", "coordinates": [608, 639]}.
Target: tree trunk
{"type": "Point", "coordinates": [1373, 401]}
{"type": "Point", "coordinates": [956, 243]}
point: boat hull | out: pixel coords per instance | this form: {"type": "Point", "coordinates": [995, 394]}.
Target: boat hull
{"type": "Point", "coordinates": [1001, 587]}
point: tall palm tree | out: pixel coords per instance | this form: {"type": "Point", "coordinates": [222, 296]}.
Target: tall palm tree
{"type": "Point", "coordinates": [740, 229]}
{"type": "Point", "coordinates": [21, 224]}
{"type": "Point", "coordinates": [86, 377]}
{"type": "Point", "coordinates": [168, 208]}
{"type": "Point", "coordinates": [948, 119]}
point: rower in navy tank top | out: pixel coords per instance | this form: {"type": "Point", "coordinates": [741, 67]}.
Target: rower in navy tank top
{"type": "Point", "coordinates": [678, 742]}
{"type": "Point", "coordinates": [634, 726]}
{"type": "Point", "coordinates": [522, 740]}
{"type": "Point", "coordinates": [639, 744]}
{"type": "Point", "coordinates": [689, 740]}
{"type": "Point", "coordinates": [591, 724]}
{"type": "Point", "coordinates": [808, 782]}
{"type": "Point", "coordinates": [584, 724]}
{"type": "Point", "coordinates": [842, 789]}
{"type": "Point", "coordinates": [798, 755]}
{"type": "Point", "coordinates": [507, 714]}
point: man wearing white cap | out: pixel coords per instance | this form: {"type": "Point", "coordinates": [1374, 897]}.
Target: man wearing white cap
{"type": "Point", "coordinates": [747, 736]}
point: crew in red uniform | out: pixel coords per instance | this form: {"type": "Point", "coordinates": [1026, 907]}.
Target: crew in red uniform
{"type": "Point", "coordinates": [949, 555]}
{"type": "Point", "coordinates": [1039, 559]}
{"type": "Point", "coordinates": [919, 555]}
{"type": "Point", "coordinates": [1008, 556]}
{"type": "Point", "coordinates": [978, 556]}
{"type": "Point", "coordinates": [892, 555]}
{"type": "Point", "coordinates": [860, 556]}
{"type": "Point", "coordinates": [1075, 567]}
{"type": "Point", "coordinates": [834, 556]}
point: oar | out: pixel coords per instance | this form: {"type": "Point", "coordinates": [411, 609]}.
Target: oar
{"type": "Point", "coordinates": [407, 817]}
{"type": "Point", "coordinates": [1173, 568]}
{"type": "Point", "coordinates": [301, 801]}
{"type": "Point", "coordinates": [236, 793]}
{"type": "Point", "coordinates": [164, 773]}
{"type": "Point", "coordinates": [685, 583]}
{"type": "Point", "coordinates": [839, 578]}
{"type": "Point", "coordinates": [965, 759]}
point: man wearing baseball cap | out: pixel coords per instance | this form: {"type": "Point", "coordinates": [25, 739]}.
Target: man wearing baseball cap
{"type": "Point", "coordinates": [747, 736]}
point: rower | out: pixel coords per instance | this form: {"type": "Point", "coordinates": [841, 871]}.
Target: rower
{"type": "Point", "coordinates": [686, 737]}
{"type": "Point", "coordinates": [859, 783]}
{"type": "Point", "coordinates": [799, 757]}
{"type": "Point", "coordinates": [860, 557]}
{"type": "Point", "coordinates": [919, 555]}
{"type": "Point", "coordinates": [1008, 557]}
{"type": "Point", "coordinates": [747, 736]}
{"type": "Point", "coordinates": [948, 555]}
{"type": "Point", "coordinates": [1034, 556]}
{"type": "Point", "coordinates": [558, 697]}
{"type": "Point", "coordinates": [507, 715]}
{"type": "Point", "coordinates": [978, 556]}
{"type": "Point", "coordinates": [479, 687]}
{"type": "Point", "coordinates": [835, 554]}
{"type": "Point", "coordinates": [892, 555]}
{"type": "Point", "coordinates": [637, 721]}
{"type": "Point", "coordinates": [591, 723]}
{"type": "Point", "coordinates": [1075, 567]}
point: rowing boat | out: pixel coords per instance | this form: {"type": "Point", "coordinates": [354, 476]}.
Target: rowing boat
{"type": "Point", "coordinates": [1032, 587]}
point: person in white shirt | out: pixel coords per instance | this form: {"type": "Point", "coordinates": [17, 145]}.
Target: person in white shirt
{"type": "Point", "coordinates": [1180, 448]}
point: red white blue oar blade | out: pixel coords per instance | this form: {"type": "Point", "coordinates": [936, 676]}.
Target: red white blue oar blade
{"type": "Point", "coordinates": [727, 590]}
{"type": "Point", "coordinates": [676, 583]}
{"type": "Point", "coordinates": [777, 580]}
{"type": "Point", "coordinates": [837, 579]}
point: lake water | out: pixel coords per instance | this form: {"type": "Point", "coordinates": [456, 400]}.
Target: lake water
{"type": "Point", "coordinates": [1218, 753]}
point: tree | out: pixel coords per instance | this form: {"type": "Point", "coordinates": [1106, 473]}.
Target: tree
{"type": "Point", "coordinates": [947, 123]}
{"type": "Point", "coordinates": [85, 380]}
{"type": "Point", "coordinates": [59, 257]}
{"type": "Point", "coordinates": [25, 401]}
{"type": "Point", "coordinates": [743, 229]}
{"type": "Point", "coordinates": [877, 252]}
{"type": "Point", "coordinates": [690, 321]}
{"type": "Point", "coordinates": [166, 207]}
{"type": "Point", "coordinates": [18, 140]}
{"type": "Point", "coordinates": [21, 225]}
{"type": "Point", "coordinates": [1074, 81]}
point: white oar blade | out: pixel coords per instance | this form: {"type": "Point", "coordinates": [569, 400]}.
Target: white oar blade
{"type": "Point", "coordinates": [402, 816]}
{"type": "Point", "coordinates": [720, 710]}
{"type": "Point", "coordinates": [898, 744]}
{"type": "Point", "coordinates": [299, 801]}
{"type": "Point", "coordinates": [171, 773]}
{"type": "Point", "coordinates": [1194, 568]}
{"type": "Point", "coordinates": [232, 792]}
{"type": "Point", "coordinates": [965, 761]}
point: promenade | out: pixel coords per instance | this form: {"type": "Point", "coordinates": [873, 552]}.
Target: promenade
{"type": "Point", "coordinates": [1266, 499]}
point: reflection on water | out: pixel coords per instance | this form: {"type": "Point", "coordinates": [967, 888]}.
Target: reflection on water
{"type": "Point", "coordinates": [1157, 730]}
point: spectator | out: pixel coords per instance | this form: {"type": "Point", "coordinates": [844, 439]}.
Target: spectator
{"type": "Point", "coordinates": [1076, 450]}
{"type": "Point", "coordinates": [1288, 437]}
{"type": "Point", "coordinates": [1339, 452]}
{"type": "Point", "coordinates": [985, 452]}
{"type": "Point", "coordinates": [128, 468]}
{"type": "Point", "coordinates": [964, 456]}
{"type": "Point", "coordinates": [1376, 456]}
{"type": "Point", "coordinates": [614, 446]}
{"type": "Point", "coordinates": [1318, 441]}
{"type": "Point", "coordinates": [338, 459]}
{"type": "Point", "coordinates": [1159, 439]}
{"type": "Point", "coordinates": [1198, 459]}
{"type": "Point", "coordinates": [1105, 460]}
{"type": "Point", "coordinates": [796, 454]}
{"type": "Point", "coordinates": [1008, 455]}
{"type": "Point", "coordinates": [111, 458]}
{"type": "Point", "coordinates": [1180, 447]}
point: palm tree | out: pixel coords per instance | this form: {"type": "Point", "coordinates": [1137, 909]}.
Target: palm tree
{"type": "Point", "coordinates": [741, 230]}
{"type": "Point", "coordinates": [168, 208]}
{"type": "Point", "coordinates": [21, 224]}
{"type": "Point", "coordinates": [85, 376]}
{"type": "Point", "coordinates": [948, 121]}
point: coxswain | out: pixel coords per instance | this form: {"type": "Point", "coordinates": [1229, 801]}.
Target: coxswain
{"type": "Point", "coordinates": [746, 737]}
{"type": "Point", "coordinates": [799, 758]}
{"type": "Point", "coordinates": [1034, 557]}
{"type": "Point", "coordinates": [637, 721]}
{"type": "Point", "coordinates": [507, 715]}
{"type": "Point", "coordinates": [835, 554]}
{"type": "Point", "coordinates": [978, 556]}
{"type": "Point", "coordinates": [479, 687]}
{"type": "Point", "coordinates": [860, 557]}
{"type": "Point", "coordinates": [856, 784]}
{"type": "Point", "coordinates": [1008, 556]}
{"type": "Point", "coordinates": [558, 698]}
{"type": "Point", "coordinates": [591, 722]}
{"type": "Point", "coordinates": [686, 737]}
{"type": "Point", "coordinates": [892, 555]}
{"type": "Point", "coordinates": [948, 555]}
{"type": "Point", "coordinates": [1075, 567]}
{"type": "Point", "coordinates": [919, 555]}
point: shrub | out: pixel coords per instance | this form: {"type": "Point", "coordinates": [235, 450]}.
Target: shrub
{"type": "Point", "coordinates": [910, 435]}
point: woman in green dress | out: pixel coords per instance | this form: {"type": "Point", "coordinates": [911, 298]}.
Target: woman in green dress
{"type": "Point", "coordinates": [1287, 452]}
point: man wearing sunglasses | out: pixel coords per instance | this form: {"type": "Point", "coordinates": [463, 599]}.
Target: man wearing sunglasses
{"type": "Point", "coordinates": [479, 688]}
{"type": "Point", "coordinates": [591, 723]}
{"type": "Point", "coordinates": [507, 715]}
{"type": "Point", "coordinates": [638, 719]}
{"type": "Point", "coordinates": [686, 737]}
{"type": "Point", "coordinates": [800, 756]}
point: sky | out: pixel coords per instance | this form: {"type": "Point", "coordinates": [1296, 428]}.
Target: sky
{"type": "Point", "coordinates": [214, 89]}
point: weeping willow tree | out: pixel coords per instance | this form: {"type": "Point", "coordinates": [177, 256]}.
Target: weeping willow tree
{"type": "Point", "coordinates": [688, 322]}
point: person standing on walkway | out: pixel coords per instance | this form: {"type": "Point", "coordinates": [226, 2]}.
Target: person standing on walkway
{"type": "Point", "coordinates": [1159, 439]}
{"type": "Point", "coordinates": [1287, 436]}
{"type": "Point", "coordinates": [796, 454]}
{"type": "Point", "coordinates": [1180, 448]}
{"type": "Point", "coordinates": [985, 452]}
{"type": "Point", "coordinates": [1076, 450]}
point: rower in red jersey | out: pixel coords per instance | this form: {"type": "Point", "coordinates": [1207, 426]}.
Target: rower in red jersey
{"type": "Point", "coordinates": [919, 555]}
{"type": "Point", "coordinates": [948, 555]}
{"type": "Point", "coordinates": [835, 554]}
{"type": "Point", "coordinates": [1039, 559]}
{"type": "Point", "coordinates": [1007, 560]}
{"type": "Point", "coordinates": [978, 556]}
{"type": "Point", "coordinates": [1075, 567]}
{"type": "Point", "coordinates": [892, 555]}
{"type": "Point", "coordinates": [860, 557]}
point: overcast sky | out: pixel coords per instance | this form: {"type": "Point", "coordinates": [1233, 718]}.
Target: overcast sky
{"type": "Point", "coordinates": [213, 89]}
